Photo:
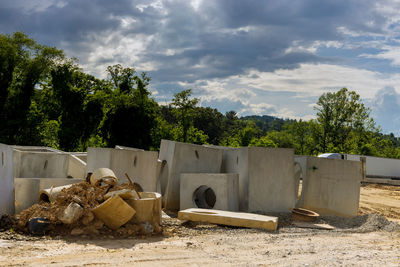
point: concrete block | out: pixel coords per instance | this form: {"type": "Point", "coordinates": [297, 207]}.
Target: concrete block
{"type": "Point", "coordinates": [240, 219]}
{"type": "Point", "coordinates": [27, 189]}
{"type": "Point", "coordinates": [272, 183]}
{"type": "Point", "coordinates": [184, 158]}
{"type": "Point", "coordinates": [330, 186]}
{"type": "Point", "coordinates": [218, 191]}
{"type": "Point", "coordinates": [141, 166]}
{"type": "Point", "coordinates": [6, 180]}
{"type": "Point", "coordinates": [266, 177]}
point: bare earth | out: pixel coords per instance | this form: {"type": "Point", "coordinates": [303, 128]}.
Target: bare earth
{"type": "Point", "coordinates": [201, 244]}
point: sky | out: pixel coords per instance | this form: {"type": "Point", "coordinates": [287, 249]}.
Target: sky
{"type": "Point", "coordinates": [254, 57]}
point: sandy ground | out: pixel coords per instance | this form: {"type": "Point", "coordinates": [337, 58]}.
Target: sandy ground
{"type": "Point", "coordinates": [204, 245]}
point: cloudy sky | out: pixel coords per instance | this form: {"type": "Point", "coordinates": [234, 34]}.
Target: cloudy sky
{"type": "Point", "coordinates": [254, 56]}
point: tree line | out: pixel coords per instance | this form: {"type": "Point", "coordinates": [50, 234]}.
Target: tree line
{"type": "Point", "coordinates": [47, 100]}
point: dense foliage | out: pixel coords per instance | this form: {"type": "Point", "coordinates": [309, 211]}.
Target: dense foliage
{"type": "Point", "coordinates": [46, 99]}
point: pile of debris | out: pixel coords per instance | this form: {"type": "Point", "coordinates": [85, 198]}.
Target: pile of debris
{"type": "Point", "coordinates": [92, 207]}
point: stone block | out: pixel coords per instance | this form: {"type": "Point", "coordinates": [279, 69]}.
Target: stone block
{"type": "Point", "coordinates": [330, 186]}
{"type": "Point", "coordinates": [141, 166]}
{"type": "Point", "coordinates": [209, 190]}
{"type": "Point", "coordinates": [184, 158]}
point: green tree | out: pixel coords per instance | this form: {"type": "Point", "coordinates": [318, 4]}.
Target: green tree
{"type": "Point", "coordinates": [184, 110]}
{"type": "Point", "coordinates": [339, 114]}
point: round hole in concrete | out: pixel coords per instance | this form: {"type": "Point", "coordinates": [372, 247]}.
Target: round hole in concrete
{"type": "Point", "coordinates": [204, 197]}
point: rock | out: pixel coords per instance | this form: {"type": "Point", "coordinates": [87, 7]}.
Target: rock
{"type": "Point", "coordinates": [87, 218]}
{"type": "Point", "coordinates": [71, 214]}
{"type": "Point", "coordinates": [77, 231]}
{"type": "Point", "coordinates": [98, 224]}
{"type": "Point", "coordinates": [147, 228]}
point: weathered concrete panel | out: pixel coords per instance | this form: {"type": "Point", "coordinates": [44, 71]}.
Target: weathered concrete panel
{"type": "Point", "coordinates": [185, 158]}
{"type": "Point", "coordinates": [6, 180]}
{"type": "Point", "coordinates": [225, 186]}
{"type": "Point", "coordinates": [141, 166]}
{"type": "Point", "coordinates": [331, 186]}
{"type": "Point", "coordinates": [32, 164]}
{"type": "Point", "coordinates": [272, 185]}
{"type": "Point", "coordinates": [76, 167]}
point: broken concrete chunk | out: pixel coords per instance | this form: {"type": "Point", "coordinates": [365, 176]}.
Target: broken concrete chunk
{"type": "Point", "coordinates": [114, 212]}
{"type": "Point", "coordinates": [77, 231]}
{"type": "Point", "coordinates": [72, 213]}
{"type": "Point", "coordinates": [241, 219]}
{"type": "Point", "coordinates": [123, 193]}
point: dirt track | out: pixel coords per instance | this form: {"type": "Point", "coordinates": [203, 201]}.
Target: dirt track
{"type": "Point", "coordinates": [199, 245]}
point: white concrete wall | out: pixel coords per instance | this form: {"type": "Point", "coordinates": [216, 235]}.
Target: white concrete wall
{"type": "Point", "coordinates": [6, 180]}
{"type": "Point", "coordinates": [272, 185]}
{"type": "Point", "coordinates": [331, 186]}
{"type": "Point", "coordinates": [32, 164]}
{"type": "Point", "coordinates": [236, 160]}
{"type": "Point", "coordinates": [379, 167]}
{"type": "Point", "coordinates": [140, 165]}
{"type": "Point", "coordinates": [185, 158]}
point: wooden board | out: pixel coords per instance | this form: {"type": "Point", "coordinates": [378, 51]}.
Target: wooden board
{"type": "Point", "coordinates": [240, 219]}
{"type": "Point", "coordinates": [322, 226]}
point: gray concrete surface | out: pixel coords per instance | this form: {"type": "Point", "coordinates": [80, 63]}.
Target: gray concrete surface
{"type": "Point", "coordinates": [140, 165]}
{"type": "Point", "coordinates": [272, 183]}
{"type": "Point", "coordinates": [331, 186]}
{"type": "Point", "coordinates": [184, 158]}
{"type": "Point", "coordinates": [6, 180]}
{"type": "Point", "coordinates": [225, 186]}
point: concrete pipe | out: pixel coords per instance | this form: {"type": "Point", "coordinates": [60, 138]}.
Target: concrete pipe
{"type": "Point", "coordinates": [50, 194]}
{"type": "Point", "coordinates": [103, 176]}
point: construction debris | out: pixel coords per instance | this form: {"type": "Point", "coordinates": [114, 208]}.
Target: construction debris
{"type": "Point", "coordinates": [91, 208]}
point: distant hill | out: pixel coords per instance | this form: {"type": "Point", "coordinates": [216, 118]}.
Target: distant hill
{"type": "Point", "coordinates": [266, 122]}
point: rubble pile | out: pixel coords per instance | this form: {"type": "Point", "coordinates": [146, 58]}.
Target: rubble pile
{"type": "Point", "coordinates": [88, 208]}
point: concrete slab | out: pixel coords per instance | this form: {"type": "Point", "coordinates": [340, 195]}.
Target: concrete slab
{"type": "Point", "coordinates": [76, 167]}
{"type": "Point", "coordinates": [141, 166]}
{"type": "Point", "coordinates": [266, 177]}
{"type": "Point", "coordinates": [218, 191]}
{"type": "Point", "coordinates": [27, 189]}
{"type": "Point", "coordinates": [184, 158]}
{"type": "Point", "coordinates": [331, 186]}
{"type": "Point", "coordinates": [240, 219]}
{"type": "Point", "coordinates": [6, 180]}
{"type": "Point", "coordinates": [272, 183]}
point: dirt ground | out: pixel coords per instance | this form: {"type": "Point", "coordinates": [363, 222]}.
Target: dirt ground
{"type": "Point", "coordinates": [367, 240]}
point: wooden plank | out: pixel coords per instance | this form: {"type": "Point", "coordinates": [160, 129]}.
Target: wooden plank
{"type": "Point", "coordinates": [321, 226]}
{"type": "Point", "coordinates": [240, 219]}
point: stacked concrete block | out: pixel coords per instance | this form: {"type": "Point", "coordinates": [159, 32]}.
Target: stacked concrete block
{"type": "Point", "coordinates": [266, 177]}
{"type": "Point", "coordinates": [181, 158]}
{"type": "Point", "coordinates": [330, 186]}
{"type": "Point", "coordinates": [141, 166]}
{"type": "Point", "coordinates": [6, 180]}
{"type": "Point", "coordinates": [210, 191]}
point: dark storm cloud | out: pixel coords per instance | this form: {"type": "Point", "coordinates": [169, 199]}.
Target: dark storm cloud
{"type": "Point", "coordinates": [219, 39]}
